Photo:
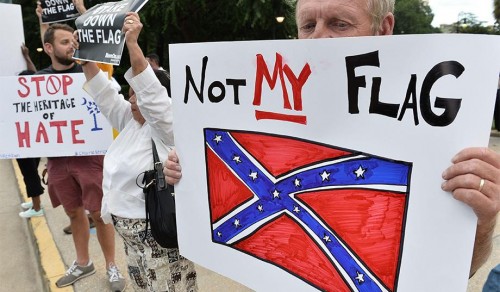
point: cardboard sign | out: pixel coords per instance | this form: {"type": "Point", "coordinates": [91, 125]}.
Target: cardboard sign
{"type": "Point", "coordinates": [11, 29]}
{"type": "Point", "coordinates": [50, 115]}
{"type": "Point", "coordinates": [58, 10]}
{"type": "Point", "coordinates": [316, 164]}
{"type": "Point", "coordinates": [100, 31]}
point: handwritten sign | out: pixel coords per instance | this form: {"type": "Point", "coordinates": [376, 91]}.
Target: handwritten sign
{"type": "Point", "coordinates": [50, 115]}
{"type": "Point", "coordinates": [58, 10]}
{"type": "Point", "coordinates": [11, 29]}
{"type": "Point", "coordinates": [316, 164]}
{"type": "Point", "coordinates": [100, 31]}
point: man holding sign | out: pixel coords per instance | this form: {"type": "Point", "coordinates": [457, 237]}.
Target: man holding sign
{"type": "Point", "coordinates": [76, 182]}
{"type": "Point", "coordinates": [474, 176]}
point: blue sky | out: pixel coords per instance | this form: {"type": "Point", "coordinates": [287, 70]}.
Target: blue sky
{"type": "Point", "coordinates": [446, 11]}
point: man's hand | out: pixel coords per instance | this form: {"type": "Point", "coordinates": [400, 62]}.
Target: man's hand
{"type": "Point", "coordinates": [90, 69]}
{"type": "Point", "coordinates": [132, 28]}
{"type": "Point", "coordinates": [38, 11]}
{"type": "Point", "coordinates": [474, 178]}
{"type": "Point", "coordinates": [172, 169]}
{"type": "Point", "coordinates": [79, 5]}
{"type": "Point", "coordinates": [25, 50]}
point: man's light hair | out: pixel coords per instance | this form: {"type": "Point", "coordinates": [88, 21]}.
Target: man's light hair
{"type": "Point", "coordinates": [378, 9]}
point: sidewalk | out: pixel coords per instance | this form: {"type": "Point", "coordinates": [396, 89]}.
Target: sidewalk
{"type": "Point", "coordinates": [37, 249]}
{"type": "Point", "coordinates": [17, 244]}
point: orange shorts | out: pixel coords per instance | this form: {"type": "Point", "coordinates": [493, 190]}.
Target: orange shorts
{"type": "Point", "coordinates": [75, 181]}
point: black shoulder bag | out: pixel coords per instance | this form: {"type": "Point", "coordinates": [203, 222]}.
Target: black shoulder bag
{"type": "Point", "coordinates": [160, 204]}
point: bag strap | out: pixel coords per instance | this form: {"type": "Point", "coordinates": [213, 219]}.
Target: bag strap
{"type": "Point", "coordinates": [147, 219]}
{"type": "Point", "coordinates": [160, 184]}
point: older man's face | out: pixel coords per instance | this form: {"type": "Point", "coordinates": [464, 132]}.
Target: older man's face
{"type": "Point", "coordinates": [333, 18]}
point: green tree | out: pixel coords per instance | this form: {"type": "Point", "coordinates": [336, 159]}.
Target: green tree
{"type": "Point", "coordinates": [413, 17]}
{"type": "Point", "coordinates": [496, 10]}
{"type": "Point", "coordinates": [180, 21]}
{"type": "Point", "coordinates": [468, 23]}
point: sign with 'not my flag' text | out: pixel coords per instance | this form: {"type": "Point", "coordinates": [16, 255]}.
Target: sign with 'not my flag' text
{"type": "Point", "coordinates": [316, 165]}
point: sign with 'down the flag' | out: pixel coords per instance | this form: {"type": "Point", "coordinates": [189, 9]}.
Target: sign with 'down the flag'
{"type": "Point", "coordinates": [58, 10]}
{"type": "Point", "coordinates": [100, 33]}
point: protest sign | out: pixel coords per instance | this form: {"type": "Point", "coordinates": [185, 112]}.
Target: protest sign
{"type": "Point", "coordinates": [50, 115]}
{"type": "Point", "coordinates": [100, 31]}
{"type": "Point", "coordinates": [58, 10]}
{"type": "Point", "coordinates": [12, 32]}
{"type": "Point", "coordinates": [317, 164]}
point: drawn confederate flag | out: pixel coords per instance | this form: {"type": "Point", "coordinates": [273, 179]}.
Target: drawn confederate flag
{"type": "Point", "coordinates": [332, 217]}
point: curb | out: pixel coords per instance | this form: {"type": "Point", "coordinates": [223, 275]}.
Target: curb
{"type": "Point", "coordinates": [49, 258]}
{"type": "Point", "coordinates": [494, 133]}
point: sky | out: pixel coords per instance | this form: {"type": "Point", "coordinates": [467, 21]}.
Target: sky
{"type": "Point", "coordinates": [446, 11]}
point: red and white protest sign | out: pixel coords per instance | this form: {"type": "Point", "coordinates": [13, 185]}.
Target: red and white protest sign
{"type": "Point", "coordinates": [50, 115]}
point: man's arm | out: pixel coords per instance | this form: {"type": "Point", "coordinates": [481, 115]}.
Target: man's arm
{"type": "Point", "coordinates": [26, 54]}
{"type": "Point", "coordinates": [132, 28]}
{"type": "Point", "coordinates": [43, 26]}
{"type": "Point", "coordinates": [474, 178]}
{"type": "Point", "coordinates": [152, 96]}
{"type": "Point", "coordinates": [483, 245]}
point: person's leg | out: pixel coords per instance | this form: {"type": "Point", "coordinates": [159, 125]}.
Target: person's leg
{"type": "Point", "coordinates": [34, 188]}
{"type": "Point", "coordinates": [158, 268]}
{"type": "Point", "coordinates": [88, 171]}
{"type": "Point", "coordinates": [82, 267]}
{"type": "Point", "coordinates": [81, 234]}
{"type": "Point", "coordinates": [37, 204]}
{"type": "Point", "coordinates": [105, 236]}
{"type": "Point", "coordinates": [134, 251]}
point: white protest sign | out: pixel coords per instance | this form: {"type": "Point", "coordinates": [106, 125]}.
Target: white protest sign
{"type": "Point", "coordinates": [100, 33]}
{"type": "Point", "coordinates": [12, 32]}
{"type": "Point", "coordinates": [316, 164]}
{"type": "Point", "coordinates": [58, 10]}
{"type": "Point", "coordinates": [50, 115]}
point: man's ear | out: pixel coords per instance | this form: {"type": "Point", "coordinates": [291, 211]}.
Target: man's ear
{"type": "Point", "coordinates": [387, 25]}
{"type": "Point", "coordinates": [47, 47]}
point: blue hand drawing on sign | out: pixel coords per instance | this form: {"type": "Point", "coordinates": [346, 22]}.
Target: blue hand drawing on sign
{"type": "Point", "coordinates": [94, 111]}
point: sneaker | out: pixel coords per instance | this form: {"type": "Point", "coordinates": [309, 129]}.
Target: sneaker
{"type": "Point", "coordinates": [67, 229]}
{"type": "Point", "coordinates": [75, 273]}
{"type": "Point", "coordinates": [116, 280]}
{"type": "Point", "coordinates": [27, 205]}
{"type": "Point", "coordinates": [91, 222]}
{"type": "Point", "coordinates": [31, 213]}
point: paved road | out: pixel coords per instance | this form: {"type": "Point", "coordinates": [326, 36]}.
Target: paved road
{"type": "Point", "coordinates": [35, 253]}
